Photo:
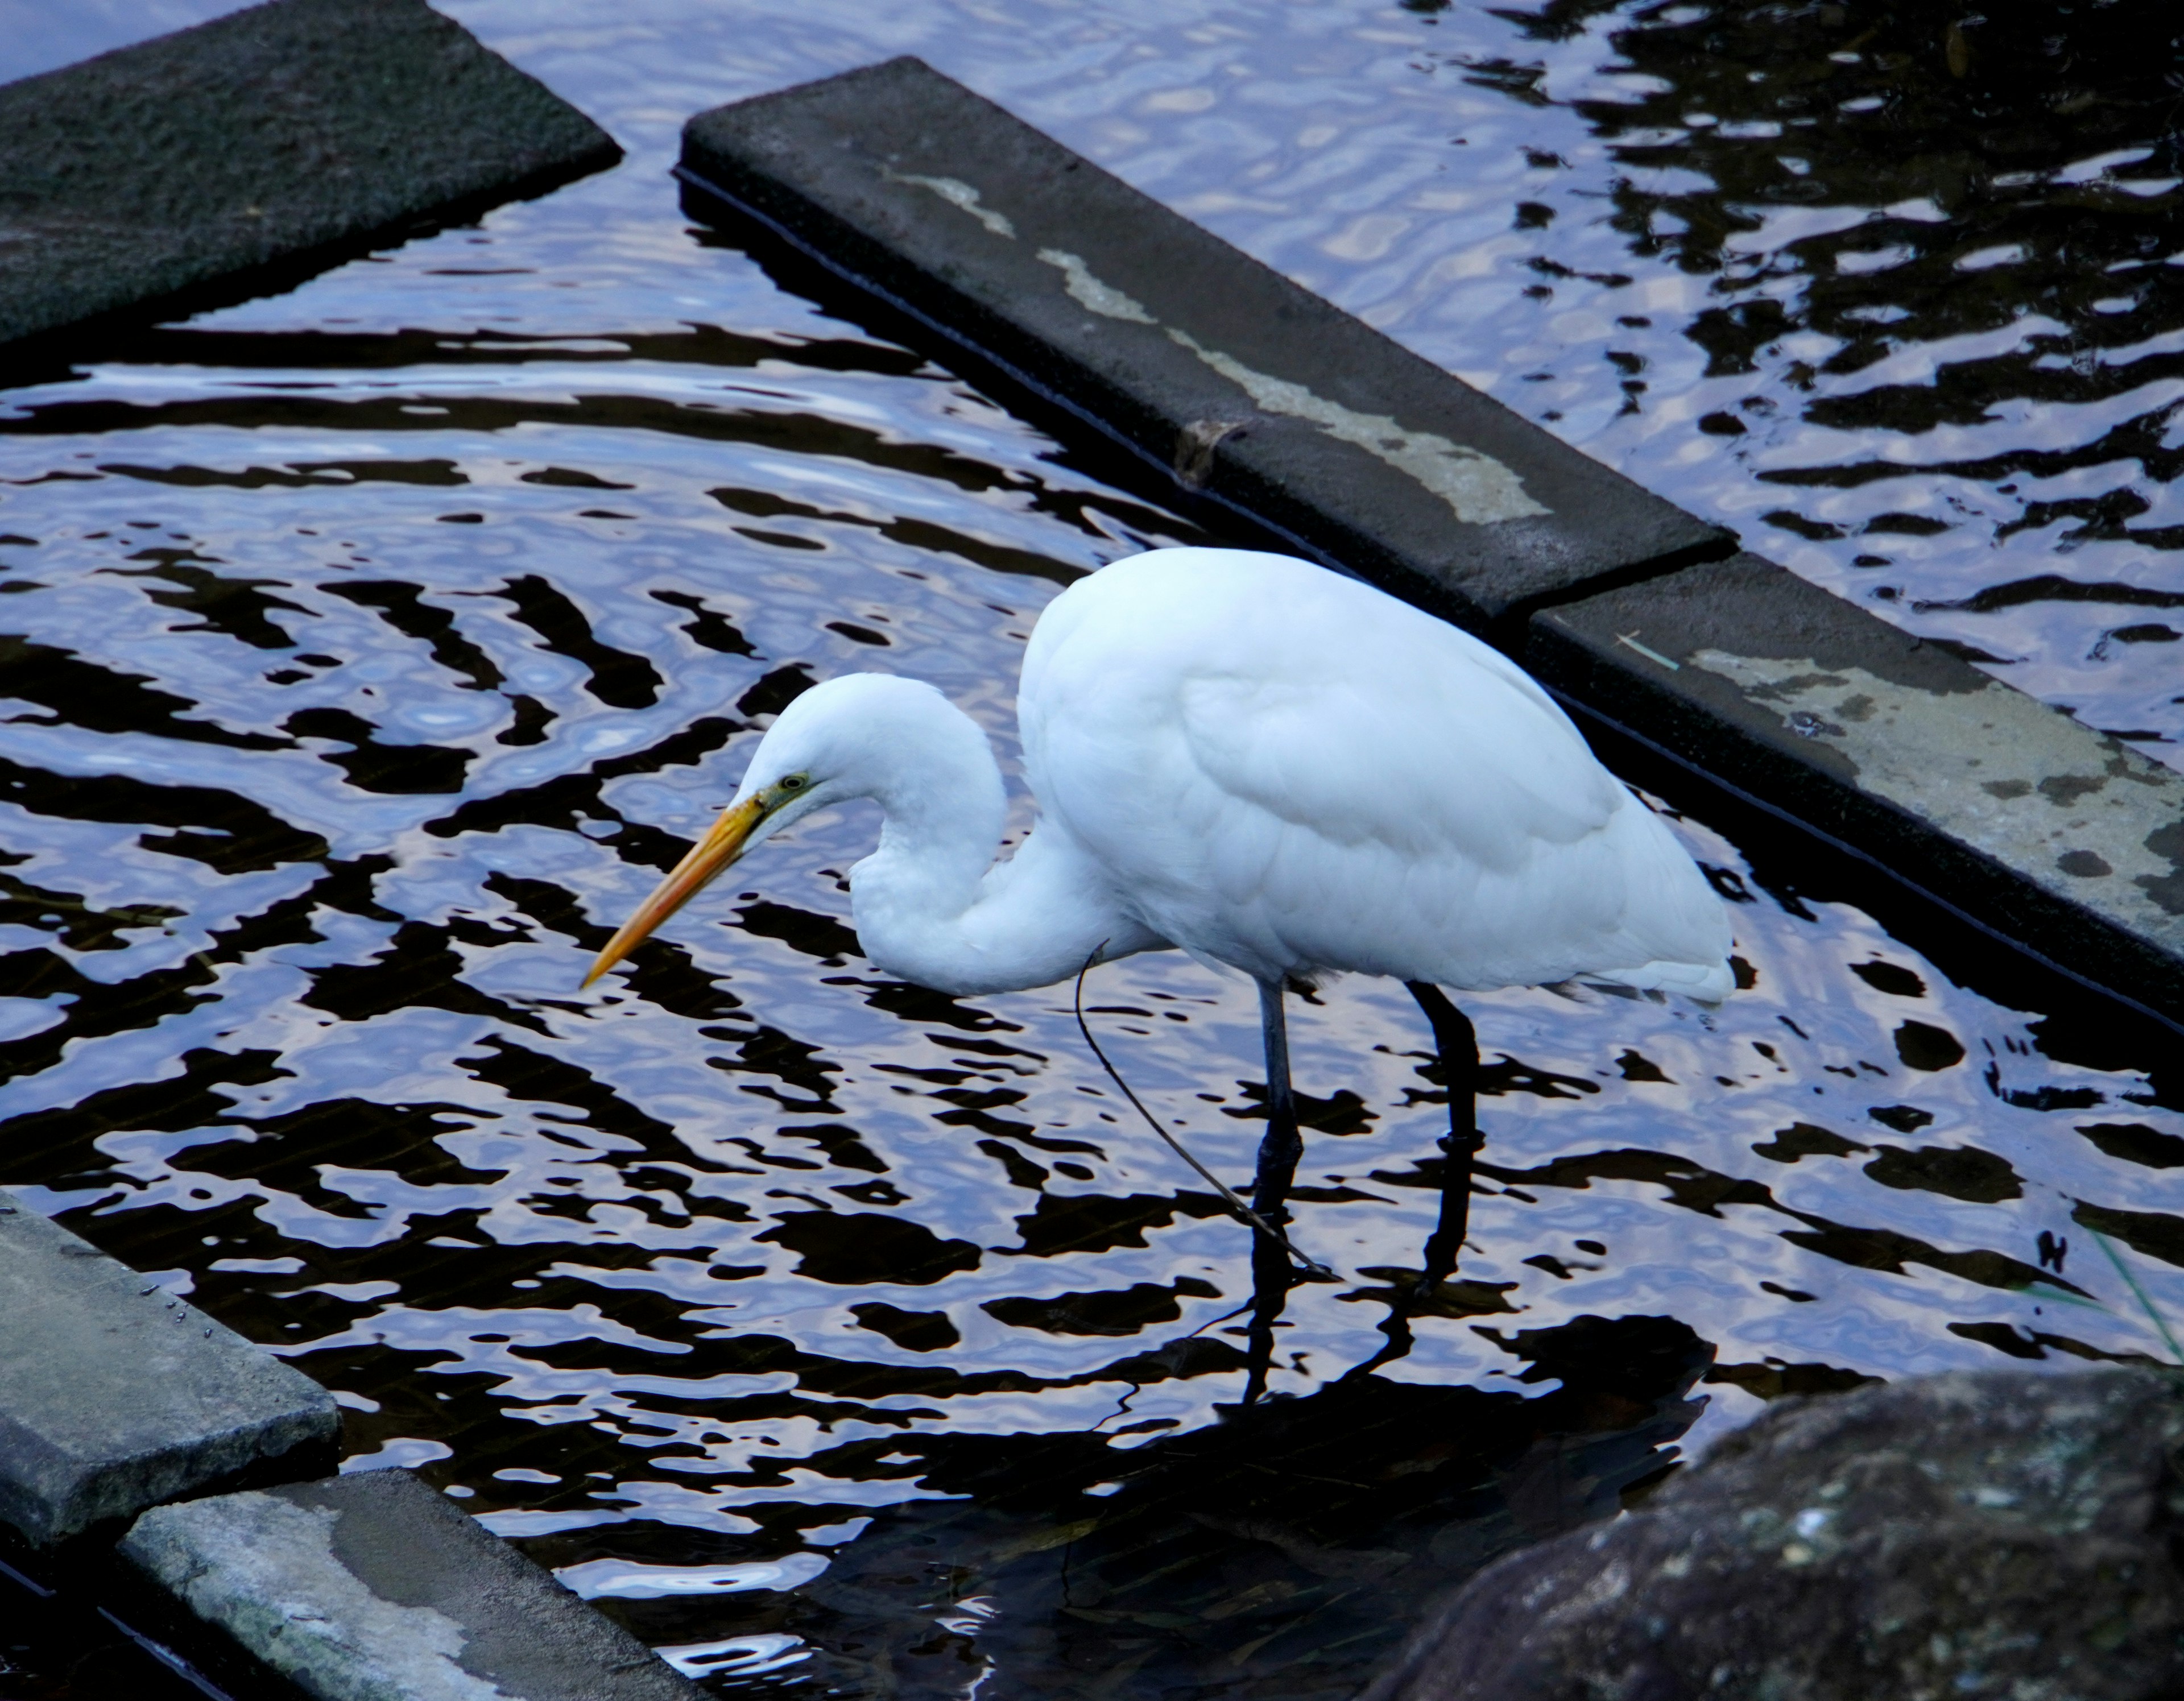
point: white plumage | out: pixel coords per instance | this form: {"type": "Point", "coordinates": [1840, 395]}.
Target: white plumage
{"type": "Point", "coordinates": [1288, 771]}
{"type": "Point", "coordinates": [1269, 766]}
{"type": "Point", "coordinates": [1256, 760]}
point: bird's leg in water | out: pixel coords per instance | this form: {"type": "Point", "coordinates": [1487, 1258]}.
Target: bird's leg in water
{"type": "Point", "coordinates": [1283, 1146]}
{"type": "Point", "coordinates": [1279, 1152]}
{"type": "Point", "coordinates": [1457, 1045]}
{"type": "Point", "coordinates": [1457, 1042]}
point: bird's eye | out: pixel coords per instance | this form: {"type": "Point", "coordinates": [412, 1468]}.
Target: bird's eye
{"type": "Point", "coordinates": [793, 782]}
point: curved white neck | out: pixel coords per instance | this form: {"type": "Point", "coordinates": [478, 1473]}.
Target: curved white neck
{"type": "Point", "coordinates": [933, 907]}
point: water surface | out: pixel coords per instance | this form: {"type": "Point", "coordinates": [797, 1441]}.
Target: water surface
{"type": "Point", "coordinates": [369, 651]}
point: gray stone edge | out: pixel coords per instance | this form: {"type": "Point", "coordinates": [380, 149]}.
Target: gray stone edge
{"type": "Point", "coordinates": [194, 285]}
{"type": "Point", "coordinates": [373, 1585]}
{"type": "Point", "coordinates": [53, 1494]}
{"type": "Point", "coordinates": [1727, 739]}
{"type": "Point", "coordinates": [982, 362]}
{"type": "Point", "coordinates": [1242, 468]}
{"type": "Point", "coordinates": [103, 1496]}
{"type": "Point", "coordinates": [1750, 736]}
{"type": "Point", "coordinates": [279, 1449]}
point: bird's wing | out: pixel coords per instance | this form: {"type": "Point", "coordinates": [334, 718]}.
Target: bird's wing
{"type": "Point", "coordinates": [1440, 826]}
{"type": "Point", "coordinates": [1429, 762]}
{"type": "Point", "coordinates": [1283, 768]}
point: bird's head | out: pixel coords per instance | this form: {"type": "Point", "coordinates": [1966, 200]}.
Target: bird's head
{"type": "Point", "coordinates": [843, 738]}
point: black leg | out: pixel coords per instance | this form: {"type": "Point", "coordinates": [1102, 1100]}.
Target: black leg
{"type": "Point", "coordinates": [1283, 1146]}
{"type": "Point", "coordinates": [1279, 1152]}
{"type": "Point", "coordinates": [1457, 1042]}
{"type": "Point", "coordinates": [1458, 1047]}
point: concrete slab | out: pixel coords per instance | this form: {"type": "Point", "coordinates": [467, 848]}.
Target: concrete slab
{"type": "Point", "coordinates": [1250, 390]}
{"type": "Point", "coordinates": [2060, 838]}
{"type": "Point", "coordinates": [115, 1395]}
{"type": "Point", "coordinates": [280, 137]}
{"type": "Point", "coordinates": [375, 1588]}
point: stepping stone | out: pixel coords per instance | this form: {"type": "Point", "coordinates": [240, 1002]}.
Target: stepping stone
{"type": "Point", "coordinates": [246, 154]}
{"type": "Point", "coordinates": [1992, 803]}
{"type": "Point", "coordinates": [115, 1395]}
{"type": "Point", "coordinates": [1091, 300]}
{"type": "Point", "coordinates": [375, 1588]}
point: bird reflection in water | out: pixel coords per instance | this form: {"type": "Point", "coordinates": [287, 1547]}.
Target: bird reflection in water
{"type": "Point", "coordinates": [1282, 1552]}
{"type": "Point", "coordinates": [1274, 769]}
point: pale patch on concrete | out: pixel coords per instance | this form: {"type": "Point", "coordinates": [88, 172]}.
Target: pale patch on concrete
{"type": "Point", "coordinates": [2053, 800]}
{"type": "Point", "coordinates": [264, 1570]}
{"type": "Point", "coordinates": [1478, 488]}
{"type": "Point", "coordinates": [1086, 291]}
{"type": "Point", "coordinates": [958, 193]}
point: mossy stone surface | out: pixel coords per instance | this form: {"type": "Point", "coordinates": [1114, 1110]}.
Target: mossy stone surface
{"type": "Point", "coordinates": [2002, 1533]}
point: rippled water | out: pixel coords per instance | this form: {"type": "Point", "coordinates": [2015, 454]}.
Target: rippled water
{"type": "Point", "coordinates": [368, 652]}
{"type": "Point", "coordinates": [1893, 291]}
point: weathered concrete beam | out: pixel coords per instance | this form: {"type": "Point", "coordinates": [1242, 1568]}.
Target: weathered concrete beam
{"type": "Point", "coordinates": [247, 152]}
{"type": "Point", "coordinates": [2010, 813]}
{"type": "Point", "coordinates": [1256, 394]}
{"type": "Point", "coordinates": [115, 1395]}
{"type": "Point", "coordinates": [1018, 261]}
{"type": "Point", "coordinates": [375, 1588]}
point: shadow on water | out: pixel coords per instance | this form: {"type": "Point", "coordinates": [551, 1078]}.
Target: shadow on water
{"type": "Point", "coordinates": [1283, 1550]}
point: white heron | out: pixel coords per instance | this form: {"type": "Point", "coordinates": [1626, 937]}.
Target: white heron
{"type": "Point", "coordinates": [1261, 763]}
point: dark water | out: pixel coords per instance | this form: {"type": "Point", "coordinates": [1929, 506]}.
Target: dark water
{"type": "Point", "coordinates": [369, 651]}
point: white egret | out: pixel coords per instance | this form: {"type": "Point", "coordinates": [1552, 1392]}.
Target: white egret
{"type": "Point", "coordinates": [1263, 764]}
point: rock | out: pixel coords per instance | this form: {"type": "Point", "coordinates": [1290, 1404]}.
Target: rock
{"type": "Point", "coordinates": [1996, 1533]}
{"type": "Point", "coordinates": [375, 1587]}
{"type": "Point", "coordinates": [115, 1395]}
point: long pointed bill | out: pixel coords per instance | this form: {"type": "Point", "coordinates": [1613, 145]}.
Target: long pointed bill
{"type": "Point", "coordinates": [707, 858]}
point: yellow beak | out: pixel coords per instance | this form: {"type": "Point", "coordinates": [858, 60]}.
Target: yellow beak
{"type": "Point", "coordinates": [708, 858]}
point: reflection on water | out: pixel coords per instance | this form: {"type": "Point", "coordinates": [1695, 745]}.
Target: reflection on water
{"type": "Point", "coordinates": [368, 652]}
